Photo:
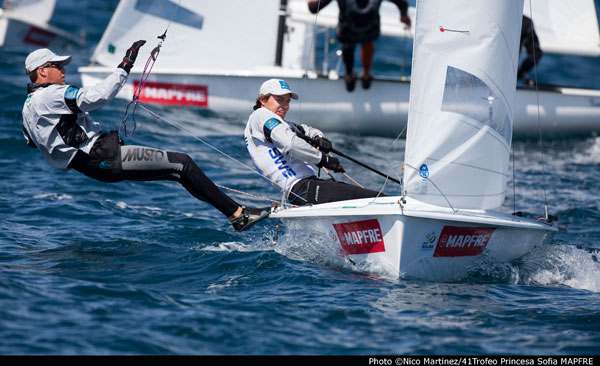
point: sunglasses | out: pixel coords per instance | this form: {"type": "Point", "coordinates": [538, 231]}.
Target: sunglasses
{"type": "Point", "coordinates": [56, 65]}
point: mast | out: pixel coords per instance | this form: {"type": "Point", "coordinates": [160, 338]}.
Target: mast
{"type": "Point", "coordinates": [281, 29]}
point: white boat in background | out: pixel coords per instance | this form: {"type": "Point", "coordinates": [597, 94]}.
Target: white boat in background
{"type": "Point", "coordinates": [565, 27]}
{"type": "Point", "coordinates": [456, 158]}
{"type": "Point", "coordinates": [26, 22]}
{"type": "Point", "coordinates": [217, 53]}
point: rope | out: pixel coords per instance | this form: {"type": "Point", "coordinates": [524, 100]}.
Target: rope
{"type": "Point", "coordinates": [138, 91]}
{"type": "Point", "coordinates": [145, 74]}
{"type": "Point", "coordinates": [251, 195]}
{"type": "Point", "coordinates": [143, 106]}
{"type": "Point", "coordinates": [137, 102]}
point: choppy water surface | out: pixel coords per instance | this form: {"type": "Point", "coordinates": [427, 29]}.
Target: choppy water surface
{"type": "Point", "coordinates": [143, 268]}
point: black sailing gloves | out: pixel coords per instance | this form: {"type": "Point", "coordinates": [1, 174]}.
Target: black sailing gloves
{"type": "Point", "coordinates": [323, 144]}
{"type": "Point", "coordinates": [131, 55]}
{"type": "Point", "coordinates": [332, 163]}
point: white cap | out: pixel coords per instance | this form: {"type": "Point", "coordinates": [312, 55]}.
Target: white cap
{"type": "Point", "coordinates": [277, 87]}
{"type": "Point", "coordinates": [39, 57]}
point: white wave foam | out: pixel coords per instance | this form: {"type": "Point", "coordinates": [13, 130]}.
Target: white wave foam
{"type": "Point", "coordinates": [125, 206]}
{"type": "Point", "coordinates": [228, 247]}
{"type": "Point", "coordinates": [305, 244]}
{"type": "Point", "coordinates": [590, 154]}
{"type": "Point", "coordinates": [569, 266]}
{"type": "Point", "coordinates": [225, 282]}
{"type": "Point", "coordinates": [53, 196]}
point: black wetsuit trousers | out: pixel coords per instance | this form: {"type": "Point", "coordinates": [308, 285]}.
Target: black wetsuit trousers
{"type": "Point", "coordinates": [110, 161]}
{"type": "Point", "coordinates": [313, 190]}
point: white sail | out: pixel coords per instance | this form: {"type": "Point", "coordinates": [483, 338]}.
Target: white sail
{"type": "Point", "coordinates": [39, 10]}
{"type": "Point", "coordinates": [569, 27]}
{"type": "Point", "coordinates": [462, 91]}
{"type": "Point", "coordinates": [203, 34]}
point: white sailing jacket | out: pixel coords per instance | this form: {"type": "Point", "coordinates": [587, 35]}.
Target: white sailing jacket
{"type": "Point", "coordinates": [56, 118]}
{"type": "Point", "coordinates": [277, 152]}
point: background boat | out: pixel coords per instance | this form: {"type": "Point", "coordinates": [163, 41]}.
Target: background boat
{"type": "Point", "coordinates": [27, 23]}
{"type": "Point", "coordinates": [221, 72]}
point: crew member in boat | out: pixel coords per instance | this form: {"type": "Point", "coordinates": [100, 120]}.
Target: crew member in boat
{"type": "Point", "coordinates": [281, 151]}
{"type": "Point", "coordinates": [57, 122]}
{"type": "Point", "coordinates": [359, 22]}
{"type": "Point", "coordinates": [531, 44]}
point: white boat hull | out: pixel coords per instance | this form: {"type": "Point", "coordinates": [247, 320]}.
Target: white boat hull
{"type": "Point", "coordinates": [325, 104]}
{"type": "Point", "coordinates": [422, 242]}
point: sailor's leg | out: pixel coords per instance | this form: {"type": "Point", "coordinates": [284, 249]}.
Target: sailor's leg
{"type": "Point", "coordinates": [348, 56]}
{"type": "Point", "coordinates": [314, 190]}
{"type": "Point", "coordinates": [109, 161]}
{"type": "Point", "coordinates": [367, 53]}
{"type": "Point", "coordinates": [146, 164]}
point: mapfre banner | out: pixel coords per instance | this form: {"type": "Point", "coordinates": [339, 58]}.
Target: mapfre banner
{"type": "Point", "coordinates": [360, 237]}
{"type": "Point", "coordinates": [458, 241]}
{"type": "Point", "coordinates": [174, 94]}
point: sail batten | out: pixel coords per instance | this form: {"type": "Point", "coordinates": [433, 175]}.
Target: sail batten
{"type": "Point", "coordinates": [461, 116]}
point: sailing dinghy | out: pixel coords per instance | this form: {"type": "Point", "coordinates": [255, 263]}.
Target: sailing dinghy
{"type": "Point", "coordinates": [26, 22]}
{"type": "Point", "coordinates": [456, 158]}
{"type": "Point", "coordinates": [218, 52]}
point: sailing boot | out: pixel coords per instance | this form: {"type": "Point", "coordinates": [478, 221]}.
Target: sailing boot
{"type": "Point", "coordinates": [366, 80]}
{"type": "Point", "coordinates": [249, 217]}
{"type": "Point", "coordinates": [350, 80]}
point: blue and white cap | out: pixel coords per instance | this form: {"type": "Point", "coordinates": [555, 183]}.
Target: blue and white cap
{"type": "Point", "coordinates": [277, 87]}
{"type": "Point", "coordinates": [39, 57]}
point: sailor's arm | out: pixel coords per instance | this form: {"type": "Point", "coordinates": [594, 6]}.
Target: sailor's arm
{"type": "Point", "coordinates": [308, 131]}
{"type": "Point", "coordinates": [289, 143]}
{"type": "Point", "coordinates": [97, 96]}
{"type": "Point", "coordinates": [403, 7]}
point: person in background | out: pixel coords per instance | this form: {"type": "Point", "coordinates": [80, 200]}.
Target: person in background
{"type": "Point", "coordinates": [284, 152]}
{"type": "Point", "coordinates": [359, 22]}
{"type": "Point", "coordinates": [529, 42]}
{"type": "Point", "coordinates": [57, 122]}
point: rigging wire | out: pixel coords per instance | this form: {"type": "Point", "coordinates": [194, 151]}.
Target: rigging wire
{"type": "Point", "coordinates": [541, 141]}
{"type": "Point", "coordinates": [143, 106]}
{"type": "Point", "coordinates": [144, 77]}
{"type": "Point", "coordinates": [310, 50]}
{"type": "Point", "coordinates": [305, 78]}
{"type": "Point", "coordinates": [137, 102]}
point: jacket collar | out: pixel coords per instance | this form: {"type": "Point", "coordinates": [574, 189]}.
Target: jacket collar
{"type": "Point", "coordinates": [31, 87]}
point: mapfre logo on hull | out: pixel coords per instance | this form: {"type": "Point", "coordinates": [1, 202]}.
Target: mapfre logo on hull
{"type": "Point", "coordinates": [360, 237]}
{"type": "Point", "coordinates": [174, 94]}
{"type": "Point", "coordinates": [458, 241]}
{"type": "Point", "coordinates": [38, 37]}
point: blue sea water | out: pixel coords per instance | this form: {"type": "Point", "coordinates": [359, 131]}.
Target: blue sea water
{"type": "Point", "coordinates": [88, 268]}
